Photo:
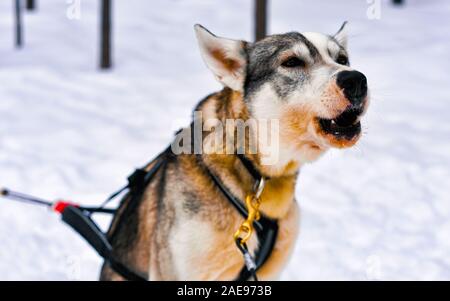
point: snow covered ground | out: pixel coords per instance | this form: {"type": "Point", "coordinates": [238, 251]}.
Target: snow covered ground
{"type": "Point", "coordinates": [378, 211]}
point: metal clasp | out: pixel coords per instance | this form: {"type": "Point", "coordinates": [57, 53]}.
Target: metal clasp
{"type": "Point", "coordinates": [252, 202]}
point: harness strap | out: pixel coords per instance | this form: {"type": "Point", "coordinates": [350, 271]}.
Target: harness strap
{"type": "Point", "coordinates": [86, 227]}
{"type": "Point", "coordinates": [250, 167]}
{"type": "Point", "coordinates": [266, 228]}
{"type": "Point", "coordinates": [79, 218]}
{"type": "Point", "coordinates": [139, 179]}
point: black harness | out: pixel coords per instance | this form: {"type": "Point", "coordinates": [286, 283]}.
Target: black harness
{"type": "Point", "coordinates": [79, 218]}
{"type": "Point", "coordinates": [266, 228]}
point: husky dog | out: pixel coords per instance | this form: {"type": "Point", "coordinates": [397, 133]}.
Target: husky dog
{"type": "Point", "coordinates": [182, 227]}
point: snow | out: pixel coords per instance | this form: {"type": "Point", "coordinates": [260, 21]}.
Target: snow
{"type": "Point", "coordinates": [378, 211]}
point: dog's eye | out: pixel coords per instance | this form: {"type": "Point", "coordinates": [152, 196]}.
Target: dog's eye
{"type": "Point", "coordinates": [293, 62]}
{"type": "Point", "coordinates": [342, 59]}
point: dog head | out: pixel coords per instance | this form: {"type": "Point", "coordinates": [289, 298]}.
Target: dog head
{"type": "Point", "coordinates": [303, 80]}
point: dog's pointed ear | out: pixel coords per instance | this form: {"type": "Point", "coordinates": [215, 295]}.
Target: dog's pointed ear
{"type": "Point", "coordinates": [341, 35]}
{"type": "Point", "coordinates": [226, 58]}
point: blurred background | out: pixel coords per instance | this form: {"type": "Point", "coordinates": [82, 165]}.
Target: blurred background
{"type": "Point", "coordinates": [79, 111]}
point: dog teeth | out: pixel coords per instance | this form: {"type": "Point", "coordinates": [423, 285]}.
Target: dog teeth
{"type": "Point", "coordinates": [333, 122]}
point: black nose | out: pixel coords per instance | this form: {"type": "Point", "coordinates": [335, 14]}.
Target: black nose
{"type": "Point", "coordinates": [354, 84]}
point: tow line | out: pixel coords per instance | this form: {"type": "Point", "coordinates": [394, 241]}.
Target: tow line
{"type": "Point", "coordinates": [79, 219]}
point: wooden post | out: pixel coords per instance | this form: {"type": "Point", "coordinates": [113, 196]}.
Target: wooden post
{"type": "Point", "coordinates": [31, 4]}
{"type": "Point", "coordinates": [105, 35]}
{"type": "Point", "coordinates": [260, 19]}
{"type": "Point", "coordinates": [18, 20]}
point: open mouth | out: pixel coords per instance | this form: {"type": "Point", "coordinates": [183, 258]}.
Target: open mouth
{"type": "Point", "coordinates": [345, 126]}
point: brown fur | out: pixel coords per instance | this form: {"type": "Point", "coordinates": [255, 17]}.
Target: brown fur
{"type": "Point", "coordinates": [228, 63]}
{"type": "Point", "coordinates": [182, 201]}
{"type": "Point", "coordinates": [182, 227]}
